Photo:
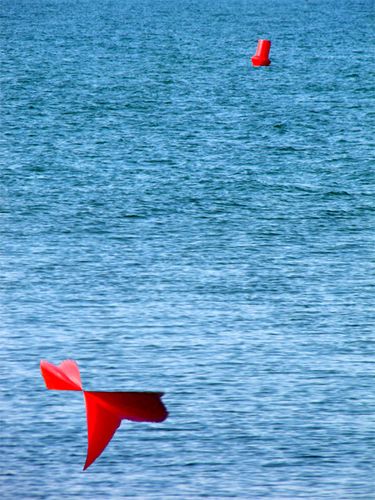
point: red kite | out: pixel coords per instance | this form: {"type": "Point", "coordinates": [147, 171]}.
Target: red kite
{"type": "Point", "coordinates": [104, 410]}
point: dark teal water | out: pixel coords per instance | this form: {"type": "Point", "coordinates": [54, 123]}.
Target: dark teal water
{"type": "Point", "coordinates": [176, 220]}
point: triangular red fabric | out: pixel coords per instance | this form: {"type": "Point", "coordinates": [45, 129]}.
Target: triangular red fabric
{"type": "Point", "coordinates": [101, 425]}
{"type": "Point", "coordinates": [105, 410]}
{"type": "Point", "coordinates": [64, 377]}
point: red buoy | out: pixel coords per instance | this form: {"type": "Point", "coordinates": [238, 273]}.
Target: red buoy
{"type": "Point", "coordinates": [261, 55]}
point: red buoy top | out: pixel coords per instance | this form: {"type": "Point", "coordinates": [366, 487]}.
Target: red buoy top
{"type": "Point", "coordinates": [261, 56]}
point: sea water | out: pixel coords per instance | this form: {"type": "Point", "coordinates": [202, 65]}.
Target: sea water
{"type": "Point", "coordinates": [174, 219]}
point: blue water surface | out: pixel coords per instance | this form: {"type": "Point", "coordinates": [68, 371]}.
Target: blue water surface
{"type": "Point", "coordinates": [174, 219]}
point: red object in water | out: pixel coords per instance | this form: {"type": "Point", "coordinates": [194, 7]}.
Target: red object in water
{"type": "Point", "coordinates": [64, 377]}
{"type": "Point", "coordinates": [261, 55]}
{"type": "Point", "coordinates": [104, 410]}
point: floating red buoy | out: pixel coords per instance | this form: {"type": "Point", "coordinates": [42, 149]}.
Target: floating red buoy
{"type": "Point", "coordinates": [261, 55]}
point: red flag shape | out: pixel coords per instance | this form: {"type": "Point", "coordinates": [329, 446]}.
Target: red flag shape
{"type": "Point", "coordinates": [104, 410]}
{"type": "Point", "coordinates": [64, 377]}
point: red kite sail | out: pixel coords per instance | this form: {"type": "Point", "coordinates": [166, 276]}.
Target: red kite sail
{"type": "Point", "coordinates": [65, 377]}
{"type": "Point", "coordinates": [104, 410]}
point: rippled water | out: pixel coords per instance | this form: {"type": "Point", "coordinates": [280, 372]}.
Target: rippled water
{"type": "Point", "coordinates": [176, 220]}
